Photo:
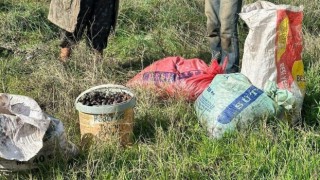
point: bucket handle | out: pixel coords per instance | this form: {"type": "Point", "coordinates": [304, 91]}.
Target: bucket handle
{"type": "Point", "coordinates": [100, 87]}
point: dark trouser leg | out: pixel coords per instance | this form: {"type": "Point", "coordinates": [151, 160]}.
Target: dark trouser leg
{"type": "Point", "coordinates": [69, 39]}
{"type": "Point", "coordinates": [100, 24]}
{"type": "Point", "coordinates": [212, 8]}
{"type": "Point", "coordinates": [229, 10]}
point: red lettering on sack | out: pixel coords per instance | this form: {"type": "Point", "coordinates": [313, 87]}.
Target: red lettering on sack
{"type": "Point", "coordinates": [283, 76]}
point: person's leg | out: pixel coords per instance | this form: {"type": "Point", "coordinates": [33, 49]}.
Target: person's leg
{"type": "Point", "coordinates": [213, 26]}
{"type": "Point", "coordinates": [100, 24]}
{"type": "Point", "coordinates": [69, 39]}
{"type": "Point", "coordinates": [229, 10]}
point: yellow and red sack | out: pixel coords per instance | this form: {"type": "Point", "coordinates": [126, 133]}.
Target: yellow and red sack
{"type": "Point", "coordinates": [273, 48]}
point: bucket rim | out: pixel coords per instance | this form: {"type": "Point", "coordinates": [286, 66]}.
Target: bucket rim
{"type": "Point", "coordinates": [106, 109]}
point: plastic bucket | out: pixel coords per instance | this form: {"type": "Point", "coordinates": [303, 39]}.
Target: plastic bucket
{"type": "Point", "coordinates": [108, 122]}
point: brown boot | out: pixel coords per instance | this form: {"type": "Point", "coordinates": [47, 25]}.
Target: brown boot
{"type": "Point", "coordinates": [65, 54]}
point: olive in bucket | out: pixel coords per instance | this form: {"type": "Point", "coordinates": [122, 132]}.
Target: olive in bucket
{"type": "Point", "coordinates": [106, 111]}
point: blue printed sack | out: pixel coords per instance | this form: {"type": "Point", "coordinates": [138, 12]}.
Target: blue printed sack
{"type": "Point", "coordinates": [232, 101]}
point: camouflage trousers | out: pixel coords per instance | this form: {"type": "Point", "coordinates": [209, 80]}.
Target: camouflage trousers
{"type": "Point", "coordinates": [96, 17]}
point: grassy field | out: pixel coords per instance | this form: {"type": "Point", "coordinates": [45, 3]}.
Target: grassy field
{"type": "Point", "coordinates": [169, 141]}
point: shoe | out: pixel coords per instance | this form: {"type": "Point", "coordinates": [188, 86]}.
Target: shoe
{"type": "Point", "coordinates": [65, 54]}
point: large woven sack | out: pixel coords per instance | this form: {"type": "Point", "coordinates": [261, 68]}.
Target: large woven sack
{"type": "Point", "coordinates": [177, 77]}
{"type": "Point", "coordinates": [273, 49]}
{"type": "Point", "coordinates": [29, 137]}
{"type": "Point", "coordinates": [231, 102]}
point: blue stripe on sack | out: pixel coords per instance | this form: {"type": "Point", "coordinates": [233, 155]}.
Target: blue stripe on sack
{"type": "Point", "coordinates": [239, 104]}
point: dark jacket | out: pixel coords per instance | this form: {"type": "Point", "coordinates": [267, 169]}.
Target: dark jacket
{"type": "Point", "coordinates": [64, 13]}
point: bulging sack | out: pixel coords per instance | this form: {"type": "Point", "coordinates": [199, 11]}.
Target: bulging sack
{"type": "Point", "coordinates": [29, 137]}
{"type": "Point", "coordinates": [273, 48]}
{"type": "Point", "coordinates": [232, 101]}
{"type": "Point", "coordinates": [177, 77]}
{"type": "Point", "coordinates": [22, 127]}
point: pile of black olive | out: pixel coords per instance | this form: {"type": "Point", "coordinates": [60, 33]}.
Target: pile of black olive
{"type": "Point", "coordinates": [97, 98]}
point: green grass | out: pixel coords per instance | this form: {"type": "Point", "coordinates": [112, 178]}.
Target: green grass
{"type": "Point", "coordinates": [169, 141]}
